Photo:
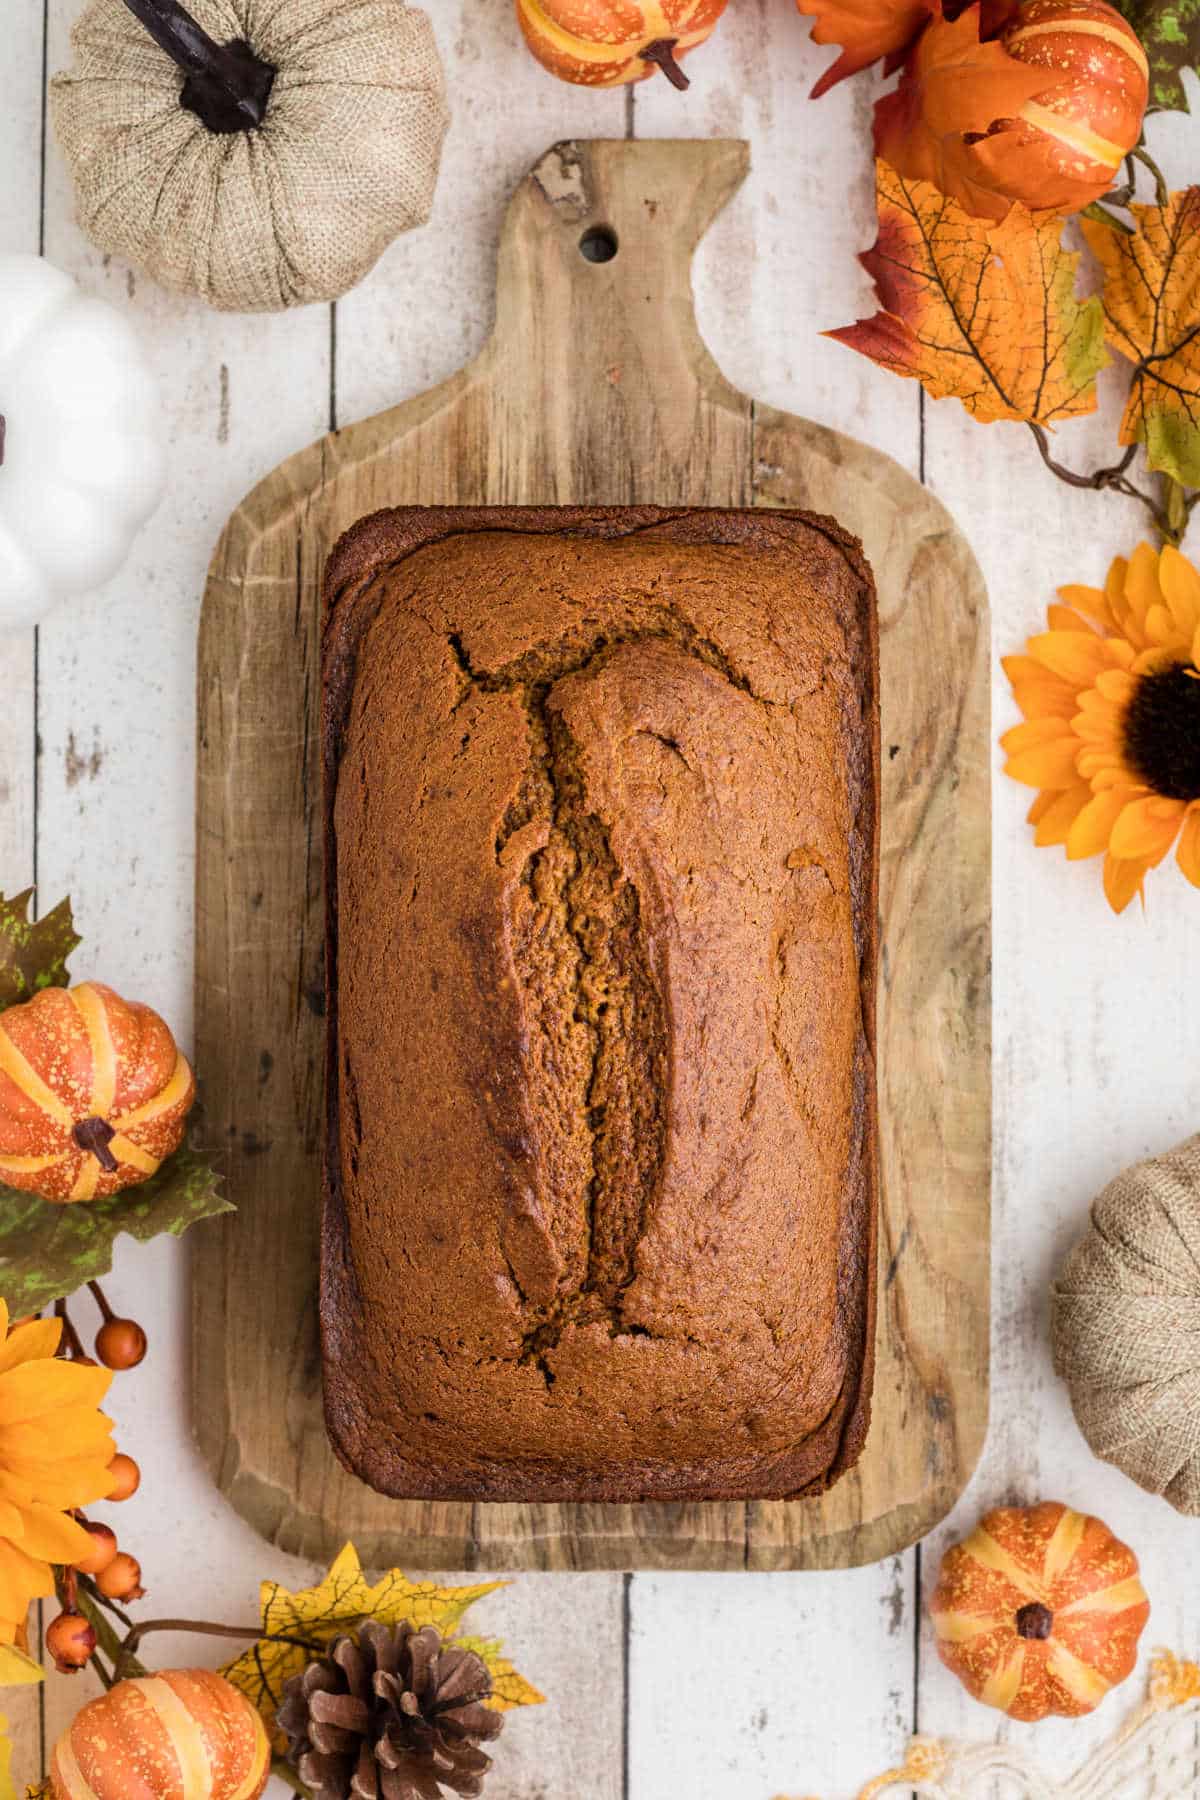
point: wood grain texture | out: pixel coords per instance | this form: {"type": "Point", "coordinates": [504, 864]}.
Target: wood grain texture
{"type": "Point", "coordinates": [595, 387]}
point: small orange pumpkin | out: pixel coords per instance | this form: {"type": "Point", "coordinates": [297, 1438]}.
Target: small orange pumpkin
{"type": "Point", "coordinates": [1039, 1611]}
{"type": "Point", "coordinates": [603, 43]}
{"type": "Point", "coordinates": [93, 1093]}
{"type": "Point", "coordinates": [186, 1731]}
{"type": "Point", "coordinates": [1043, 114]}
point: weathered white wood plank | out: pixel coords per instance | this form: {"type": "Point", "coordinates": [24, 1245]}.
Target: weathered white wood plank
{"type": "Point", "coordinates": [778, 267]}
{"type": "Point", "coordinates": [20, 221]}
{"type": "Point", "coordinates": [747, 1686]}
{"type": "Point", "coordinates": [1096, 1039]}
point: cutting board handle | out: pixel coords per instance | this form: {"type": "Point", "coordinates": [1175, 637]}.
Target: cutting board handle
{"type": "Point", "coordinates": [594, 312]}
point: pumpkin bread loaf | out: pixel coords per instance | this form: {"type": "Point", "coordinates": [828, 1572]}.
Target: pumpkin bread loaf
{"type": "Point", "coordinates": [601, 843]}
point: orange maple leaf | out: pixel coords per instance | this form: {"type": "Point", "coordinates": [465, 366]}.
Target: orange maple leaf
{"type": "Point", "coordinates": [869, 30]}
{"type": "Point", "coordinates": [866, 31]}
{"type": "Point", "coordinates": [1152, 313]}
{"type": "Point", "coordinates": [986, 313]}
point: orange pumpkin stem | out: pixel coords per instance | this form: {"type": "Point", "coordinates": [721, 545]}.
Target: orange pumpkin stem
{"type": "Point", "coordinates": [95, 1135]}
{"type": "Point", "coordinates": [662, 52]}
{"type": "Point", "coordinates": [1035, 1620]}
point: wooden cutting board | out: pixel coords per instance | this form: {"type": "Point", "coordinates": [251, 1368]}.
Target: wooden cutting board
{"type": "Point", "coordinates": [595, 387]}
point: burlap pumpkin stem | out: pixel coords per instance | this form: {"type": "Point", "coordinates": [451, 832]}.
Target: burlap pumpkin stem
{"type": "Point", "coordinates": [261, 157]}
{"type": "Point", "coordinates": [1124, 1311]}
{"type": "Point", "coordinates": [392, 1714]}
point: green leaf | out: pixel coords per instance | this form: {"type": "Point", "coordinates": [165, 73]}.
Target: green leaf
{"type": "Point", "coordinates": [48, 1250]}
{"type": "Point", "coordinates": [1170, 33]}
{"type": "Point", "coordinates": [33, 956]}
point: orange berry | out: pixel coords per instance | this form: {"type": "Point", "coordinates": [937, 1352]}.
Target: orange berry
{"type": "Point", "coordinates": [121, 1344]}
{"type": "Point", "coordinates": [104, 1548]}
{"type": "Point", "coordinates": [70, 1641]}
{"type": "Point", "coordinates": [127, 1476]}
{"type": "Point", "coordinates": [122, 1580]}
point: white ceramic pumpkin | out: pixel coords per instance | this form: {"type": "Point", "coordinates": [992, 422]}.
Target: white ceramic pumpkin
{"type": "Point", "coordinates": [81, 460]}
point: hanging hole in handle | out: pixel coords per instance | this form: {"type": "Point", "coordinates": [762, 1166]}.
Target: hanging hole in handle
{"type": "Point", "coordinates": [598, 244]}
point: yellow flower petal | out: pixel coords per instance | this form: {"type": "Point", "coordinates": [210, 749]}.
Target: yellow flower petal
{"type": "Point", "coordinates": [1188, 853]}
{"type": "Point", "coordinates": [1179, 580]}
{"type": "Point", "coordinates": [1119, 608]}
{"type": "Point", "coordinates": [1075, 656]}
{"type": "Point", "coordinates": [52, 1536]}
{"type": "Point", "coordinates": [1037, 702]}
{"type": "Point", "coordinates": [34, 1389]}
{"type": "Point", "coordinates": [1056, 820]}
{"type": "Point", "coordinates": [80, 1429]}
{"type": "Point", "coordinates": [1122, 880]}
{"type": "Point", "coordinates": [1116, 685]}
{"type": "Point", "coordinates": [1103, 771]}
{"type": "Point", "coordinates": [1034, 732]}
{"type": "Point", "coordinates": [1091, 602]}
{"type": "Point", "coordinates": [1092, 829]}
{"type": "Point", "coordinates": [1037, 692]}
{"type": "Point", "coordinates": [1062, 618]}
{"type": "Point", "coordinates": [31, 1343]}
{"type": "Point", "coordinates": [1101, 725]}
{"type": "Point", "coordinates": [1162, 630]}
{"type": "Point", "coordinates": [1049, 765]}
{"type": "Point", "coordinates": [22, 1580]}
{"type": "Point", "coordinates": [1145, 829]}
{"type": "Point", "coordinates": [1141, 582]}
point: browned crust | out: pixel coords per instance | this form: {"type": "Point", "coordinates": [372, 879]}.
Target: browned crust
{"type": "Point", "coordinates": [380, 542]}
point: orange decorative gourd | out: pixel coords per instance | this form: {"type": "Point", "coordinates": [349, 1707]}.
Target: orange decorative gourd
{"type": "Point", "coordinates": [1039, 1611]}
{"type": "Point", "coordinates": [185, 1732]}
{"type": "Point", "coordinates": [1042, 114]}
{"type": "Point", "coordinates": [602, 43]}
{"type": "Point", "coordinates": [93, 1093]}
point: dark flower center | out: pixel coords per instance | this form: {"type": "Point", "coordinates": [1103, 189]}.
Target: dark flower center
{"type": "Point", "coordinates": [1162, 732]}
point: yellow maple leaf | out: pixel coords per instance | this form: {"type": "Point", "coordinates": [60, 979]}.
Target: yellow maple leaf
{"type": "Point", "coordinates": [509, 1689]}
{"type": "Point", "coordinates": [17, 1669]}
{"type": "Point", "coordinates": [1152, 313]}
{"type": "Point", "coordinates": [984, 313]}
{"type": "Point", "coordinates": [295, 1627]}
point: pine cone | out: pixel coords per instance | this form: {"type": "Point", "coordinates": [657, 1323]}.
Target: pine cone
{"type": "Point", "coordinates": [393, 1714]}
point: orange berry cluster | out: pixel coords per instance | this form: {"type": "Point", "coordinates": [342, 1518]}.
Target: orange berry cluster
{"type": "Point", "coordinates": [120, 1344]}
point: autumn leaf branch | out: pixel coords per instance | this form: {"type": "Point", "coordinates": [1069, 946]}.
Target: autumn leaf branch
{"type": "Point", "coordinates": [1171, 515]}
{"type": "Point", "coordinates": [988, 314]}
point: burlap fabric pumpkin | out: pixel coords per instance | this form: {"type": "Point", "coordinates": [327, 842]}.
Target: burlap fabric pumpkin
{"type": "Point", "coordinates": [292, 210]}
{"type": "Point", "coordinates": [1126, 1326]}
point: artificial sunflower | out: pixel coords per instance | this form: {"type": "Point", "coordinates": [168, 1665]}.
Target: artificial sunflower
{"type": "Point", "coordinates": [55, 1448]}
{"type": "Point", "coordinates": [1111, 698]}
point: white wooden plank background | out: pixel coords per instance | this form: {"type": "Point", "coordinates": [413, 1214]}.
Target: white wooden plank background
{"type": "Point", "coordinates": [711, 1687]}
